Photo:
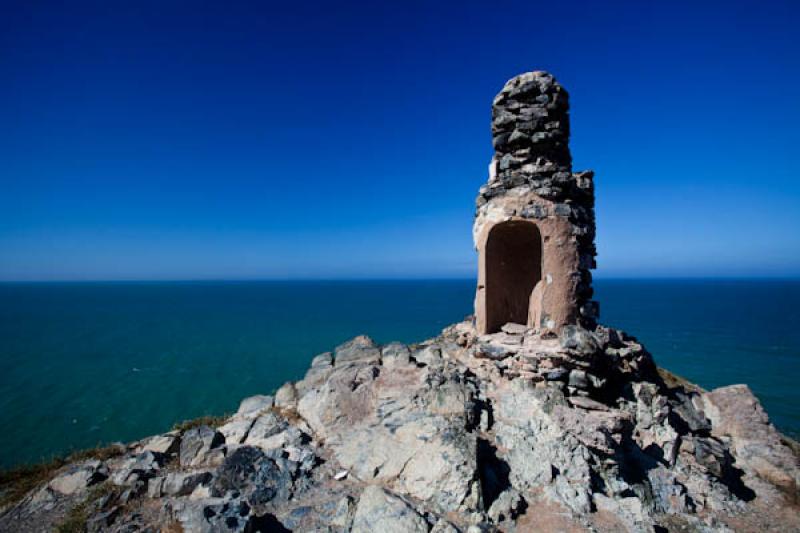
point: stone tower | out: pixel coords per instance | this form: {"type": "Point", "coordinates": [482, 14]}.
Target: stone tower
{"type": "Point", "coordinates": [534, 226]}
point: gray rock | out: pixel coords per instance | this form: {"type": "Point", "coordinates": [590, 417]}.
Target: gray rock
{"type": "Point", "coordinates": [77, 477]}
{"type": "Point", "coordinates": [669, 495]}
{"type": "Point", "coordinates": [506, 507]}
{"type": "Point", "coordinates": [428, 355]}
{"type": "Point", "coordinates": [587, 403]}
{"type": "Point", "coordinates": [395, 354]}
{"type": "Point", "coordinates": [101, 521]}
{"type": "Point", "coordinates": [578, 379]}
{"type": "Point", "coordinates": [322, 360]}
{"type": "Point", "coordinates": [495, 352]}
{"type": "Point", "coordinates": [236, 429]}
{"type": "Point", "coordinates": [167, 444]}
{"type": "Point", "coordinates": [693, 417]}
{"type": "Point", "coordinates": [183, 483]}
{"type": "Point", "coordinates": [254, 404]}
{"type": "Point", "coordinates": [443, 526]}
{"type": "Point", "coordinates": [737, 414]}
{"type": "Point", "coordinates": [578, 340]}
{"type": "Point", "coordinates": [360, 350]}
{"type": "Point", "coordinates": [514, 329]}
{"type": "Point", "coordinates": [286, 396]}
{"type": "Point", "coordinates": [378, 510]}
{"type": "Point", "coordinates": [250, 472]}
{"type": "Point", "coordinates": [342, 516]}
{"type": "Point", "coordinates": [215, 516]}
{"type": "Point", "coordinates": [154, 486]}
{"type": "Point", "coordinates": [129, 470]}
{"type": "Point", "coordinates": [270, 431]}
{"type": "Point", "coordinates": [557, 374]}
{"type": "Point", "coordinates": [197, 442]}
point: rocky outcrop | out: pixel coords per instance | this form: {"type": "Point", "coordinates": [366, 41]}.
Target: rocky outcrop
{"type": "Point", "coordinates": [528, 417]}
{"type": "Point", "coordinates": [512, 431]}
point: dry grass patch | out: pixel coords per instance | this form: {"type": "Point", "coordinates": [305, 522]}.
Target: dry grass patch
{"type": "Point", "coordinates": [208, 420]}
{"type": "Point", "coordinates": [75, 521]}
{"type": "Point", "coordinates": [17, 482]}
{"type": "Point", "coordinates": [673, 381]}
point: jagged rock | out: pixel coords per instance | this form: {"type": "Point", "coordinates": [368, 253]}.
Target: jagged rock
{"type": "Point", "coordinates": [578, 379]}
{"type": "Point", "coordinates": [286, 396]}
{"type": "Point", "coordinates": [267, 431]}
{"type": "Point", "coordinates": [539, 452]}
{"type": "Point", "coordinates": [395, 354]}
{"type": "Point", "coordinates": [198, 442]}
{"type": "Point", "coordinates": [166, 444]}
{"type": "Point", "coordinates": [236, 429]}
{"type": "Point", "coordinates": [361, 350]}
{"type": "Point", "coordinates": [654, 433]}
{"type": "Point", "coordinates": [103, 519]}
{"type": "Point", "coordinates": [322, 360]}
{"type": "Point", "coordinates": [557, 374]}
{"type": "Point", "coordinates": [578, 340]}
{"type": "Point", "coordinates": [428, 355]}
{"type": "Point", "coordinates": [506, 507]}
{"type": "Point", "coordinates": [683, 405]}
{"type": "Point", "coordinates": [380, 511]}
{"type": "Point", "coordinates": [214, 516]}
{"type": "Point", "coordinates": [183, 483]}
{"type": "Point", "coordinates": [628, 510]}
{"type": "Point", "coordinates": [129, 470]}
{"type": "Point", "coordinates": [77, 477]}
{"type": "Point", "coordinates": [443, 526]}
{"type": "Point", "coordinates": [454, 443]}
{"type": "Point", "coordinates": [254, 404]}
{"type": "Point", "coordinates": [737, 414]}
{"type": "Point", "coordinates": [249, 472]}
{"type": "Point", "coordinates": [342, 516]}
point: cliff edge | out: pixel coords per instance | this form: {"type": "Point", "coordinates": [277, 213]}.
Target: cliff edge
{"type": "Point", "coordinates": [511, 431]}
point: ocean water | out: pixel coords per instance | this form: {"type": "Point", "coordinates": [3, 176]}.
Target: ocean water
{"type": "Point", "coordinates": [83, 364]}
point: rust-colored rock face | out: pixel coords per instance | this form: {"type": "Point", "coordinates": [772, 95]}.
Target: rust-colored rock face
{"type": "Point", "coordinates": [534, 226]}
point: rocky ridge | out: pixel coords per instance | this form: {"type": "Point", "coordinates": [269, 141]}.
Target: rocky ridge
{"type": "Point", "coordinates": [513, 431]}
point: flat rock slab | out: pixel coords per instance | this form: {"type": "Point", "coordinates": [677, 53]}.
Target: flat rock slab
{"type": "Point", "coordinates": [587, 403]}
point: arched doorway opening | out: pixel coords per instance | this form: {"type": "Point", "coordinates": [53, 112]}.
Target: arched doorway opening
{"type": "Point", "coordinates": [513, 268]}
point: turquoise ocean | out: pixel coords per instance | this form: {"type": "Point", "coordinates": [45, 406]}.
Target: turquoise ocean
{"type": "Point", "coordinates": [83, 364]}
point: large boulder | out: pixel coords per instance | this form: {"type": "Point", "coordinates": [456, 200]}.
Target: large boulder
{"type": "Point", "coordinates": [249, 472]}
{"type": "Point", "coordinates": [736, 413]}
{"type": "Point", "coordinates": [77, 477]}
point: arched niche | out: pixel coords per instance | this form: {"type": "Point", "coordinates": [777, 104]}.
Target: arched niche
{"type": "Point", "coordinates": [513, 267]}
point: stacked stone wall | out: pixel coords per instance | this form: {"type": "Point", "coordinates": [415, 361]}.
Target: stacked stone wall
{"type": "Point", "coordinates": [531, 178]}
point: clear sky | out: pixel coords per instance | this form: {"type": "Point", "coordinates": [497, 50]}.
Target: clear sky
{"type": "Point", "coordinates": [186, 140]}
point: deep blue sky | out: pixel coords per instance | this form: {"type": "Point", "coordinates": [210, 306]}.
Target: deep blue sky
{"type": "Point", "coordinates": [183, 140]}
